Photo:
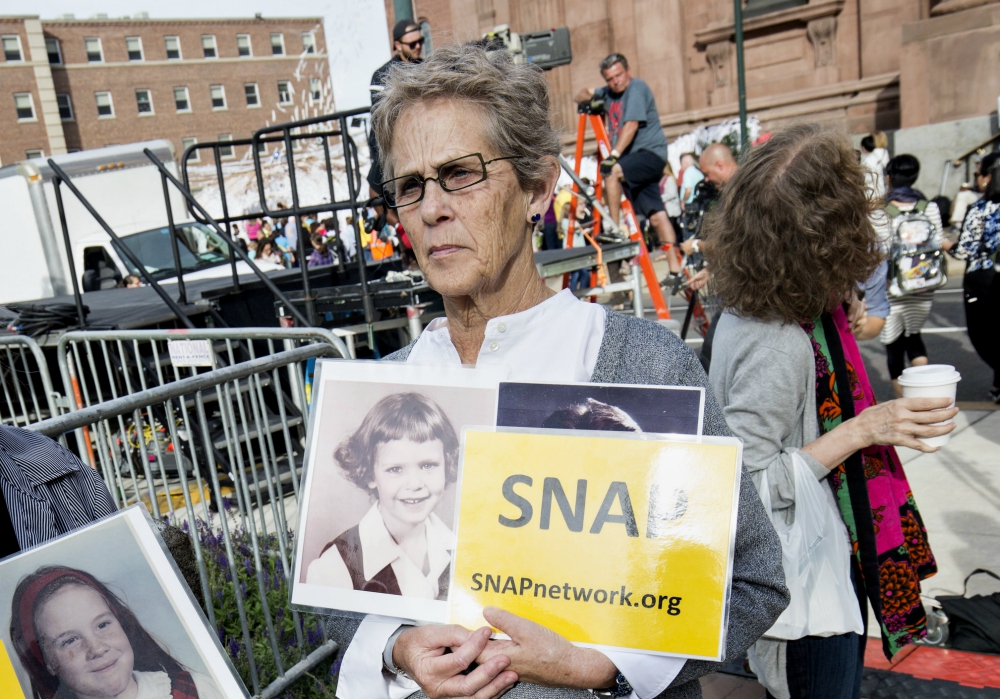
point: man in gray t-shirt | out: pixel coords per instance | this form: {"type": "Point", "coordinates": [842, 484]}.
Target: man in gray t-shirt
{"type": "Point", "coordinates": [639, 147]}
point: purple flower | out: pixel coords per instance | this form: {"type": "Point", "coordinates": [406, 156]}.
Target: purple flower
{"type": "Point", "coordinates": [234, 648]}
{"type": "Point", "coordinates": [226, 505]}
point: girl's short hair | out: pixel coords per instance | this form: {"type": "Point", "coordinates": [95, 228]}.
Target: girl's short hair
{"type": "Point", "coordinates": [792, 236]}
{"type": "Point", "coordinates": [31, 595]}
{"type": "Point", "coordinates": [410, 416]}
{"type": "Point", "coordinates": [591, 415]}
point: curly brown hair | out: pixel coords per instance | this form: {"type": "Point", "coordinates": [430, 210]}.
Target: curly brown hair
{"type": "Point", "coordinates": [792, 236]}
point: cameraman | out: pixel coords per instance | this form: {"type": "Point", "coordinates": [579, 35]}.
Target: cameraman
{"type": "Point", "coordinates": [639, 147]}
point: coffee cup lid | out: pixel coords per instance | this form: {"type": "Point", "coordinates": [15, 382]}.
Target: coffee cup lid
{"type": "Point", "coordinates": [929, 375]}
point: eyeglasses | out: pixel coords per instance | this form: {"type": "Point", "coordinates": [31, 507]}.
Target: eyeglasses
{"type": "Point", "coordinates": [452, 176]}
{"type": "Point", "coordinates": [413, 44]}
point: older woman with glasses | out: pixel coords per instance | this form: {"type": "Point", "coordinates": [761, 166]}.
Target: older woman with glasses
{"type": "Point", "coordinates": [469, 156]}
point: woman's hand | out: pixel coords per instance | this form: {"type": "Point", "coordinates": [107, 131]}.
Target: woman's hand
{"type": "Point", "coordinates": [420, 653]}
{"type": "Point", "coordinates": [903, 421]}
{"type": "Point", "coordinates": [541, 656]}
{"type": "Point", "coordinates": [900, 422]}
{"type": "Point", "coordinates": [857, 314]}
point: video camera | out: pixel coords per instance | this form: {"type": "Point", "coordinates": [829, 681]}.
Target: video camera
{"type": "Point", "coordinates": [547, 49]}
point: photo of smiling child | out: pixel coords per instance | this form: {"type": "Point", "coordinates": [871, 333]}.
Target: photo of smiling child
{"type": "Point", "coordinates": [102, 612]}
{"type": "Point", "coordinates": [376, 531]}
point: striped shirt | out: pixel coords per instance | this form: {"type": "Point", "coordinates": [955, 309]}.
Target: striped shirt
{"type": "Point", "coordinates": [47, 490]}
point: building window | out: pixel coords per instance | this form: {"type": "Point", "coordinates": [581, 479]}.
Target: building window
{"type": "Point", "coordinates": [218, 96]}
{"type": "Point", "coordinates": [94, 52]}
{"type": "Point", "coordinates": [133, 45]}
{"type": "Point", "coordinates": [208, 46]}
{"type": "Point", "coordinates": [284, 92]}
{"type": "Point", "coordinates": [32, 154]}
{"type": "Point", "coordinates": [243, 45]}
{"type": "Point", "coordinates": [144, 101]}
{"type": "Point", "coordinates": [226, 151]}
{"type": "Point", "coordinates": [308, 42]}
{"type": "Point", "coordinates": [315, 90]}
{"type": "Point", "coordinates": [756, 8]}
{"type": "Point", "coordinates": [105, 108]}
{"type": "Point", "coordinates": [195, 154]}
{"type": "Point", "coordinates": [173, 46]}
{"type": "Point", "coordinates": [278, 44]}
{"type": "Point", "coordinates": [65, 107]}
{"type": "Point", "coordinates": [25, 106]}
{"type": "Point", "coordinates": [54, 50]}
{"type": "Point", "coordinates": [253, 96]}
{"type": "Point", "coordinates": [12, 48]}
{"type": "Point", "coordinates": [182, 100]}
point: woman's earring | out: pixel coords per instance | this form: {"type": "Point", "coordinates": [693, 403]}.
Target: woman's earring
{"type": "Point", "coordinates": [536, 218]}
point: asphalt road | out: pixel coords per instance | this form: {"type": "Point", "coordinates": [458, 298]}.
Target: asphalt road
{"type": "Point", "coordinates": [947, 342]}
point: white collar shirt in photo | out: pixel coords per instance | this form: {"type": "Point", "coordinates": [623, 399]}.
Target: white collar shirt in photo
{"type": "Point", "coordinates": [156, 685]}
{"type": "Point", "coordinates": [556, 341]}
{"type": "Point", "coordinates": [379, 549]}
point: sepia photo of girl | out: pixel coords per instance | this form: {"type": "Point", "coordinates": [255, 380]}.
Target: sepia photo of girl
{"type": "Point", "coordinates": [376, 530]}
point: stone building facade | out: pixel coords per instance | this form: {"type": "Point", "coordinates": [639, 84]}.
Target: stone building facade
{"type": "Point", "coordinates": [865, 63]}
{"type": "Point", "coordinates": [79, 84]}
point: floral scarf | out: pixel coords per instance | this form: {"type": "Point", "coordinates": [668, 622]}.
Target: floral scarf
{"type": "Point", "coordinates": [888, 537]}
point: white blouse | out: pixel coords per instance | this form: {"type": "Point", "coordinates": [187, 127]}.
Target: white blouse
{"type": "Point", "coordinates": [379, 549]}
{"type": "Point", "coordinates": [156, 685]}
{"type": "Point", "coordinates": [556, 341]}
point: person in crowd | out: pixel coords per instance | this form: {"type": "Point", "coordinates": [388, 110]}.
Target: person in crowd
{"type": "Point", "coordinates": [78, 640]}
{"type": "Point", "coordinates": [321, 254]}
{"type": "Point", "coordinates": [907, 314]}
{"type": "Point", "coordinates": [789, 244]}
{"type": "Point", "coordinates": [469, 154]}
{"type": "Point", "coordinates": [978, 245]}
{"type": "Point", "coordinates": [639, 147]}
{"type": "Point", "coordinates": [407, 47]}
{"type": "Point", "coordinates": [253, 228]}
{"type": "Point", "coordinates": [670, 194]}
{"type": "Point", "coordinates": [874, 157]}
{"type": "Point", "coordinates": [55, 495]}
{"type": "Point", "coordinates": [968, 194]}
{"type": "Point", "coordinates": [550, 228]}
{"type": "Point", "coordinates": [690, 178]}
{"type": "Point", "coordinates": [131, 281]}
{"type": "Point", "coordinates": [404, 454]}
{"type": "Point", "coordinates": [267, 251]}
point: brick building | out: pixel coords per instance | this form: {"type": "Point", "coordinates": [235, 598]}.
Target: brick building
{"type": "Point", "coordinates": [865, 63]}
{"type": "Point", "coordinates": [71, 84]}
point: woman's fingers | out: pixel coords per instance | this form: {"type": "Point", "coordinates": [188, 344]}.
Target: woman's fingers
{"type": "Point", "coordinates": [922, 404]}
{"type": "Point", "coordinates": [488, 680]}
{"type": "Point", "coordinates": [929, 416]}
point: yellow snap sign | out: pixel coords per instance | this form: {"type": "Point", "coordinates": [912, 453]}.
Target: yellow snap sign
{"type": "Point", "coordinates": [619, 540]}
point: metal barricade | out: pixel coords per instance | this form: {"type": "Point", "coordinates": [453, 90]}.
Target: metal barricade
{"type": "Point", "coordinates": [28, 395]}
{"type": "Point", "coordinates": [219, 453]}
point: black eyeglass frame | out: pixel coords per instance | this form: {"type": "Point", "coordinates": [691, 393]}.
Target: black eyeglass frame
{"type": "Point", "coordinates": [390, 198]}
{"type": "Point", "coordinates": [413, 44]}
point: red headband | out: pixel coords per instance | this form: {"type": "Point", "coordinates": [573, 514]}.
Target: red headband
{"type": "Point", "coordinates": [27, 606]}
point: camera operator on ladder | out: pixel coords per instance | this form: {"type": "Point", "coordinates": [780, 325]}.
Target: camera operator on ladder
{"type": "Point", "coordinates": [639, 147]}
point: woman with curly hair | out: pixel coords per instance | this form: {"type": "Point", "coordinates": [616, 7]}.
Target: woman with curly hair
{"type": "Point", "coordinates": [78, 640]}
{"type": "Point", "coordinates": [789, 245]}
{"type": "Point", "coordinates": [404, 454]}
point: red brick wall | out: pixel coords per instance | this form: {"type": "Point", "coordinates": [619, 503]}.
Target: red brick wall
{"type": "Point", "coordinates": [122, 77]}
{"type": "Point", "coordinates": [18, 137]}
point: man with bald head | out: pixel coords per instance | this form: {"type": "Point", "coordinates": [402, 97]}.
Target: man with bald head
{"type": "Point", "coordinates": [718, 164]}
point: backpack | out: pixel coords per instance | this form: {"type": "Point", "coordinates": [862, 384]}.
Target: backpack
{"type": "Point", "coordinates": [916, 259]}
{"type": "Point", "coordinates": [974, 622]}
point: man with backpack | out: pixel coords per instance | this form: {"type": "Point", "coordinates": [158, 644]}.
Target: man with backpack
{"type": "Point", "coordinates": [912, 225]}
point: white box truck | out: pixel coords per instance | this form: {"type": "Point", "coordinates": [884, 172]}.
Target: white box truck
{"type": "Point", "coordinates": [125, 188]}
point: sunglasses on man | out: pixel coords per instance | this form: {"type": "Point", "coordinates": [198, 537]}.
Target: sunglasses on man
{"type": "Point", "coordinates": [413, 44]}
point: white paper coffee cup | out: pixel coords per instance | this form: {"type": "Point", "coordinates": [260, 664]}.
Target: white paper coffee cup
{"type": "Point", "coordinates": [931, 381]}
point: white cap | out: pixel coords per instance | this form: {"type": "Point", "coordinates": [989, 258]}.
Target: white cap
{"type": "Point", "coordinates": [929, 375]}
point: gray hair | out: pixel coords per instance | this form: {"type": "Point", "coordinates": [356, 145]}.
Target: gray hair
{"type": "Point", "coordinates": [513, 98]}
{"type": "Point", "coordinates": [611, 59]}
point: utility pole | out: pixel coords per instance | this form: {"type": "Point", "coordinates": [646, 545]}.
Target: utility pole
{"type": "Point", "coordinates": [741, 80]}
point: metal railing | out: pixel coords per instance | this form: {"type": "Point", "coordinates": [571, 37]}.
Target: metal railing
{"type": "Point", "coordinates": [228, 440]}
{"type": "Point", "coordinates": [27, 387]}
{"type": "Point", "coordinates": [966, 160]}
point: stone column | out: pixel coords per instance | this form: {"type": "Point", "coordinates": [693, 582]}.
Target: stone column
{"type": "Point", "coordinates": [49, 108]}
{"type": "Point", "coordinates": [823, 36]}
{"type": "Point", "coordinates": [718, 55]}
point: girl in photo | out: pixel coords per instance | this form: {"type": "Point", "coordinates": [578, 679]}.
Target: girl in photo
{"type": "Point", "coordinates": [404, 454]}
{"type": "Point", "coordinates": [78, 640]}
